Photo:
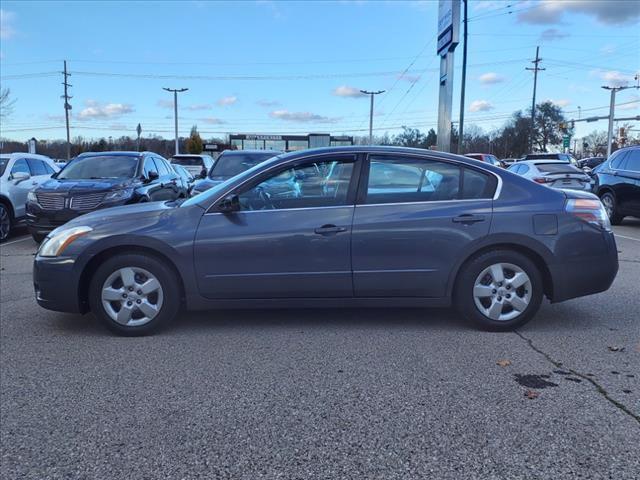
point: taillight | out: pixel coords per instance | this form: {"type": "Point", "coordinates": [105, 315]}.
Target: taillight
{"type": "Point", "coordinates": [542, 180]}
{"type": "Point", "coordinates": [590, 210]}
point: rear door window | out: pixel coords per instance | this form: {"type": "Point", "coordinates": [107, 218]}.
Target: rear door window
{"type": "Point", "coordinates": [633, 161]}
{"type": "Point", "coordinates": [618, 160]}
{"type": "Point", "coordinates": [37, 167]}
{"type": "Point", "coordinates": [476, 185]}
{"type": "Point", "coordinates": [163, 168]}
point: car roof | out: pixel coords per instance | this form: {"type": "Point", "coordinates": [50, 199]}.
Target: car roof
{"type": "Point", "coordinates": [179, 155]}
{"type": "Point", "coordinates": [254, 151]}
{"type": "Point", "coordinates": [115, 153]}
{"type": "Point", "coordinates": [544, 162]}
{"type": "Point", "coordinates": [13, 155]}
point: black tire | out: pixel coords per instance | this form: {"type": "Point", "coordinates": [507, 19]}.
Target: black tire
{"type": "Point", "coordinates": [38, 237]}
{"type": "Point", "coordinates": [162, 272]}
{"type": "Point", "coordinates": [6, 219]}
{"type": "Point", "coordinates": [608, 199]}
{"type": "Point", "coordinates": [465, 283]}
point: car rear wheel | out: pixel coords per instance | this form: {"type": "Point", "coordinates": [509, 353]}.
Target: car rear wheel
{"type": "Point", "coordinates": [134, 294]}
{"type": "Point", "coordinates": [499, 290]}
{"type": "Point", "coordinates": [5, 222]}
{"type": "Point", "coordinates": [609, 203]}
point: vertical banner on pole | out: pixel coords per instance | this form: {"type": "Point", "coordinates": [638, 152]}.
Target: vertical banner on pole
{"type": "Point", "coordinates": [448, 38]}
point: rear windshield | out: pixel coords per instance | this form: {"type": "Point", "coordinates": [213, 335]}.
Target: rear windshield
{"type": "Point", "coordinates": [188, 161]}
{"type": "Point", "coordinates": [106, 166]}
{"type": "Point", "coordinates": [556, 168]}
{"type": "Point", "coordinates": [232, 164]}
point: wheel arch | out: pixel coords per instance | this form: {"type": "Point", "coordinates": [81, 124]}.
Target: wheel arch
{"type": "Point", "coordinates": [536, 255]}
{"type": "Point", "coordinates": [92, 265]}
{"type": "Point", "coordinates": [7, 203]}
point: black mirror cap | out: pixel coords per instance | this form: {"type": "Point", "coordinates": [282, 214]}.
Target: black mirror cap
{"type": "Point", "coordinates": [152, 175]}
{"type": "Point", "coordinates": [229, 204]}
{"type": "Point", "coordinates": [203, 173]}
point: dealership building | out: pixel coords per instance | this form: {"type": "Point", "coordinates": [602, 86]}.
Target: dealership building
{"type": "Point", "coordinates": [287, 143]}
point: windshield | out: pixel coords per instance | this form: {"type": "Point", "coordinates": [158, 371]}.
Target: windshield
{"type": "Point", "coordinates": [556, 168]}
{"type": "Point", "coordinates": [95, 167]}
{"type": "Point", "coordinates": [214, 192]}
{"type": "Point", "coordinates": [188, 161]}
{"type": "Point", "coordinates": [3, 164]}
{"type": "Point", "coordinates": [232, 164]}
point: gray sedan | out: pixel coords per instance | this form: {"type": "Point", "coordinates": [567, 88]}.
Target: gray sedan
{"type": "Point", "coordinates": [342, 226]}
{"type": "Point", "coordinates": [553, 173]}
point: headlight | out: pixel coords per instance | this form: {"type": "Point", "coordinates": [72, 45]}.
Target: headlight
{"type": "Point", "coordinates": [118, 195]}
{"type": "Point", "coordinates": [56, 244]}
{"type": "Point", "coordinates": [31, 197]}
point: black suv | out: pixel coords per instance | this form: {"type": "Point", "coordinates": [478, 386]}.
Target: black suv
{"type": "Point", "coordinates": [99, 180]}
{"type": "Point", "coordinates": [617, 183]}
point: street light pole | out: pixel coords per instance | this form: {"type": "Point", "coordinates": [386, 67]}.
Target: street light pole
{"type": "Point", "coordinates": [175, 111]}
{"type": "Point", "coordinates": [612, 108]}
{"type": "Point", "coordinates": [372, 94]}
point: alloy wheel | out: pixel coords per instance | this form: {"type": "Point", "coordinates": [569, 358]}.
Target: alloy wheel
{"type": "Point", "coordinates": [5, 223]}
{"type": "Point", "coordinates": [609, 204]}
{"type": "Point", "coordinates": [132, 296]}
{"type": "Point", "coordinates": [502, 291]}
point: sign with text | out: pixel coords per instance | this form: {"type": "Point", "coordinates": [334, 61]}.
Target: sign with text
{"type": "Point", "coordinates": [448, 25]}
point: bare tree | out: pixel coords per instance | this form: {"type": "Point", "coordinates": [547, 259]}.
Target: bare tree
{"type": "Point", "coordinates": [6, 103]}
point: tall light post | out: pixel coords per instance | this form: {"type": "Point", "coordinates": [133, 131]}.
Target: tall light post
{"type": "Point", "coordinates": [612, 108]}
{"type": "Point", "coordinates": [175, 111]}
{"type": "Point", "coordinates": [371, 94]}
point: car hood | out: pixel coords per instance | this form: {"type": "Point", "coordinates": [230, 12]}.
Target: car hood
{"type": "Point", "coordinates": [55, 185]}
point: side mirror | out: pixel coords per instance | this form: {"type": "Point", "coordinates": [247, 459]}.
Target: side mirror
{"type": "Point", "coordinates": [152, 175]}
{"type": "Point", "coordinates": [229, 204]}
{"type": "Point", "coordinates": [20, 177]}
{"type": "Point", "coordinates": [203, 173]}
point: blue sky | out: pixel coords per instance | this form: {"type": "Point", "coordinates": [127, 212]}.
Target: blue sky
{"type": "Point", "coordinates": [280, 67]}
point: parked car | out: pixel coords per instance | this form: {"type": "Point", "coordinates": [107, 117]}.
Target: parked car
{"type": "Point", "coordinates": [347, 234]}
{"type": "Point", "coordinates": [198, 165]}
{"type": "Point", "coordinates": [617, 183]}
{"type": "Point", "coordinates": [19, 173]}
{"type": "Point", "coordinates": [591, 162]}
{"type": "Point", "coordinates": [186, 178]}
{"type": "Point", "coordinates": [486, 157]}
{"type": "Point", "coordinates": [553, 174]}
{"type": "Point", "coordinates": [508, 161]}
{"type": "Point", "coordinates": [99, 180]}
{"type": "Point", "coordinates": [561, 157]}
{"type": "Point", "coordinates": [229, 164]}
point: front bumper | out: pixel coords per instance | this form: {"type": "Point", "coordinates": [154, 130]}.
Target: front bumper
{"type": "Point", "coordinates": [55, 282]}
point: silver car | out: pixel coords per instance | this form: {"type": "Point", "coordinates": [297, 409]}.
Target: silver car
{"type": "Point", "coordinates": [553, 173]}
{"type": "Point", "coordinates": [197, 165]}
{"type": "Point", "coordinates": [20, 173]}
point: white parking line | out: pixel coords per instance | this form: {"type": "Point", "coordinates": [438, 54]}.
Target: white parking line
{"type": "Point", "coordinates": [15, 241]}
{"type": "Point", "coordinates": [628, 238]}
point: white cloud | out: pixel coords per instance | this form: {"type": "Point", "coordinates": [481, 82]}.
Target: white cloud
{"type": "Point", "coordinates": [551, 34]}
{"type": "Point", "coordinates": [226, 101]}
{"type": "Point", "coordinates": [347, 91]}
{"type": "Point", "coordinates": [299, 116]}
{"type": "Point", "coordinates": [7, 29]}
{"type": "Point", "coordinates": [614, 78]}
{"type": "Point", "coordinates": [611, 12]}
{"type": "Point", "coordinates": [96, 109]}
{"type": "Point", "coordinates": [212, 121]}
{"type": "Point", "coordinates": [165, 103]}
{"type": "Point", "coordinates": [563, 102]}
{"type": "Point", "coordinates": [480, 106]}
{"type": "Point", "coordinates": [268, 103]}
{"type": "Point", "coordinates": [490, 78]}
{"type": "Point", "coordinates": [197, 106]}
{"type": "Point", "coordinates": [633, 105]}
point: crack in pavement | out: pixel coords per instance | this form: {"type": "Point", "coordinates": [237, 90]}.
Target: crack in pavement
{"type": "Point", "coordinates": [599, 388]}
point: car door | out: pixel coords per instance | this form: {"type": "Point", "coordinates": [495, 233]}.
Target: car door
{"type": "Point", "coordinates": [291, 236]}
{"type": "Point", "coordinates": [152, 186]}
{"type": "Point", "coordinates": [40, 171]}
{"type": "Point", "coordinates": [622, 181]}
{"type": "Point", "coordinates": [630, 173]}
{"type": "Point", "coordinates": [19, 189]}
{"type": "Point", "coordinates": [413, 218]}
{"type": "Point", "coordinates": [168, 180]}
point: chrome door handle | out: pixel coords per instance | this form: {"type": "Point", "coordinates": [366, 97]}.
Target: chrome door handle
{"type": "Point", "coordinates": [468, 218]}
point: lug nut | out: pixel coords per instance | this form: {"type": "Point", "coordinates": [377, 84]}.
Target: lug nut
{"type": "Point", "coordinates": [139, 292]}
{"type": "Point", "coordinates": [131, 289]}
{"type": "Point", "coordinates": [508, 287]}
{"type": "Point", "coordinates": [138, 301]}
{"type": "Point", "coordinates": [499, 299]}
{"type": "Point", "coordinates": [124, 295]}
{"type": "Point", "coordinates": [129, 303]}
{"type": "Point", "coordinates": [508, 295]}
{"type": "Point", "coordinates": [494, 291]}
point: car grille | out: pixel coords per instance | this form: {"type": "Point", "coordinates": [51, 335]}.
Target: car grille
{"type": "Point", "coordinates": [86, 202]}
{"type": "Point", "coordinates": [51, 201]}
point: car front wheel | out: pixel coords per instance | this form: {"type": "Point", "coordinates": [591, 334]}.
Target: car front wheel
{"type": "Point", "coordinates": [5, 222]}
{"type": "Point", "coordinates": [499, 290]}
{"type": "Point", "coordinates": [134, 294]}
{"type": "Point", "coordinates": [609, 203]}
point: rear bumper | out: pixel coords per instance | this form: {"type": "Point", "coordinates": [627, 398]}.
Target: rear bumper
{"type": "Point", "coordinates": [585, 275]}
{"type": "Point", "coordinates": [56, 284]}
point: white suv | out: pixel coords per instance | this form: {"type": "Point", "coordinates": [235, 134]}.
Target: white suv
{"type": "Point", "coordinates": [19, 173]}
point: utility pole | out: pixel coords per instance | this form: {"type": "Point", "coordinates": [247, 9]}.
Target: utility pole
{"type": "Point", "coordinates": [67, 106]}
{"type": "Point", "coordinates": [612, 108]}
{"type": "Point", "coordinates": [464, 79]}
{"type": "Point", "coordinates": [139, 132]}
{"type": "Point", "coordinates": [535, 70]}
{"type": "Point", "coordinates": [175, 111]}
{"type": "Point", "coordinates": [371, 94]}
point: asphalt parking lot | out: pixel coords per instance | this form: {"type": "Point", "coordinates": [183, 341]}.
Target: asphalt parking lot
{"type": "Point", "coordinates": [363, 394]}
